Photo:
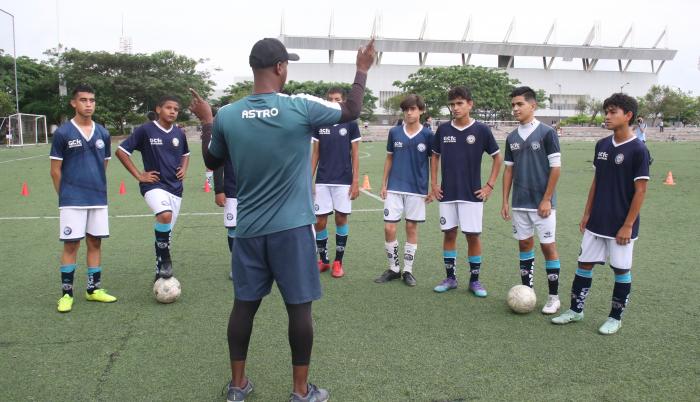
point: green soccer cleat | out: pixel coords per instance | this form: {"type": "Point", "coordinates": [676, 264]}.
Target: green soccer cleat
{"type": "Point", "coordinates": [610, 326]}
{"type": "Point", "coordinates": [65, 303]}
{"type": "Point", "coordinates": [100, 295]}
{"type": "Point", "coordinates": [567, 317]}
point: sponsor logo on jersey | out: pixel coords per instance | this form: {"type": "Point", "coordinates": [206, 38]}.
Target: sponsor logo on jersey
{"type": "Point", "coordinates": [99, 144]}
{"type": "Point", "coordinates": [602, 155]}
{"type": "Point", "coordinates": [421, 147]}
{"type": "Point", "coordinates": [259, 114]}
{"type": "Point", "coordinates": [514, 147]}
{"type": "Point", "coordinates": [343, 131]}
{"type": "Point", "coordinates": [471, 139]}
{"type": "Point", "coordinates": [547, 235]}
{"type": "Point", "coordinates": [324, 131]}
{"type": "Point", "coordinates": [535, 146]}
{"type": "Point", "coordinates": [67, 230]}
{"type": "Point", "coordinates": [398, 144]}
{"type": "Point", "coordinates": [619, 158]}
{"type": "Point", "coordinates": [449, 139]}
{"type": "Point", "coordinates": [75, 143]}
{"type": "Point", "coordinates": [156, 141]}
{"type": "Point", "coordinates": [176, 142]}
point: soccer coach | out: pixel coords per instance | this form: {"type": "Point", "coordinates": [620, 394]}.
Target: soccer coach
{"type": "Point", "coordinates": [266, 136]}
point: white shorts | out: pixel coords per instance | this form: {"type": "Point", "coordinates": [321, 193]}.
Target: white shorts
{"type": "Point", "coordinates": [230, 209]}
{"type": "Point", "coordinates": [525, 223]}
{"type": "Point", "coordinates": [76, 222]}
{"type": "Point", "coordinates": [467, 215]}
{"type": "Point", "coordinates": [596, 250]}
{"type": "Point", "coordinates": [330, 197]}
{"type": "Point", "coordinates": [412, 207]}
{"type": "Point", "coordinates": [161, 201]}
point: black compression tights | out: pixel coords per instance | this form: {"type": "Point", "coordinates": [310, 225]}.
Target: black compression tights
{"type": "Point", "coordinates": [301, 332]}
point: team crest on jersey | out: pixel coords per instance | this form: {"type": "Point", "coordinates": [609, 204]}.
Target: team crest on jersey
{"type": "Point", "coordinates": [67, 230]}
{"type": "Point", "coordinates": [421, 147]}
{"type": "Point", "coordinates": [176, 142]}
{"type": "Point", "coordinates": [443, 220]}
{"type": "Point", "coordinates": [99, 144]}
{"type": "Point", "coordinates": [619, 158]}
{"type": "Point", "coordinates": [229, 216]}
{"type": "Point", "coordinates": [386, 211]}
{"type": "Point", "coordinates": [471, 139]}
{"type": "Point", "coordinates": [316, 207]}
{"type": "Point", "coordinates": [164, 203]}
{"type": "Point", "coordinates": [343, 131]}
{"type": "Point", "coordinates": [535, 146]}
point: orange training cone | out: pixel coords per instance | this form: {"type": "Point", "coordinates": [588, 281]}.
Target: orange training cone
{"type": "Point", "coordinates": [122, 188]}
{"type": "Point", "coordinates": [669, 179]}
{"type": "Point", "coordinates": [207, 187]}
{"type": "Point", "coordinates": [25, 190]}
{"type": "Point", "coordinates": [365, 184]}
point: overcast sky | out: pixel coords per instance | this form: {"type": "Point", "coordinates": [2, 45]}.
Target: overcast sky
{"type": "Point", "coordinates": [223, 31]}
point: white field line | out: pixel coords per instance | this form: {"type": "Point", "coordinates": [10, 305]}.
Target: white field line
{"type": "Point", "coordinates": [24, 159]}
{"type": "Point", "coordinates": [376, 197]}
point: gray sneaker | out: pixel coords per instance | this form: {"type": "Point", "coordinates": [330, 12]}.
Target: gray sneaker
{"type": "Point", "coordinates": [314, 394]}
{"type": "Point", "coordinates": [236, 394]}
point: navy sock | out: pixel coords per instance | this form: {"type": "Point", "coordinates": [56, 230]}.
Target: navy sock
{"type": "Point", "coordinates": [527, 267]}
{"type": "Point", "coordinates": [580, 289]}
{"type": "Point", "coordinates": [341, 240]}
{"type": "Point", "coordinates": [553, 267]}
{"type": "Point", "coordinates": [322, 244]}
{"type": "Point", "coordinates": [450, 259]}
{"type": "Point", "coordinates": [621, 293]}
{"type": "Point", "coordinates": [93, 279]}
{"type": "Point", "coordinates": [162, 244]}
{"type": "Point", "coordinates": [67, 274]}
{"type": "Point", "coordinates": [474, 267]}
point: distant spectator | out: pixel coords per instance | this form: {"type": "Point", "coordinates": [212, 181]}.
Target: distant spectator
{"type": "Point", "coordinates": [661, 126]}
{"type": "Point", "coordinates": [641, 130]}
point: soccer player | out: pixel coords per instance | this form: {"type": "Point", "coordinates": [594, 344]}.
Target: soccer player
{"type": "Point", "coordinates": [458, 148]}
{"type": "Point", "coordinates": [165, 155]}
{"type": "Point", "coordinates": [405, 187]}
{"type": "Point", "coordinates": [335, 162]}
{"type": "Point", "coordinates": [532, 168]}
{"type": "Point", "coordinates": [80, 151]}
{"type": "Point", "coordinates": [225, 196]}
{"type": "Point", "coordinates": [610, 222]}
{"type": "Point", "coordinates": [266, 135]}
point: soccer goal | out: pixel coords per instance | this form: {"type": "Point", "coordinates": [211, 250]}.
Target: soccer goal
{"type": "Point", "coordinates": [24, 129]}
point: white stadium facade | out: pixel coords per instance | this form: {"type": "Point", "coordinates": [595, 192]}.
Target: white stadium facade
{"type": "Point", "coordinates": [591, 77]}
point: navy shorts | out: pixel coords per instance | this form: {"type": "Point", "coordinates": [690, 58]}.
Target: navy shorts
{"type": "Point", "coordinates": [287, 257]}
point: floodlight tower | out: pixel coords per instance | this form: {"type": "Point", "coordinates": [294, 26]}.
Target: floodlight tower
{"type": "Point", "coordinates": [14, 56]}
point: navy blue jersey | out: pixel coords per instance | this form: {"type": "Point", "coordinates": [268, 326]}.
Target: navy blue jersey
{"type": "Point", "coordinates": [83, 180]}
{"type": "Point", "coordinates": [410, 167]}
{"type": "Point", "coordinates": [334, 151]}
{"type": "Point", "coordinates": [617, 167]}
{"type": "Point", "coordinates": [229, 179]}
{"type": "Point", "coordinates": [460, 159]}
{"type": "Point", "coordinates": [161, 150]}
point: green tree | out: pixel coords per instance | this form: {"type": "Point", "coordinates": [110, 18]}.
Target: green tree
{"type": "Point", "coordinates": [581, 105]}
{"type": "Point", "coordinates": [393, 104]}
{"type": "Point", "coordinates": [320, 88]}
{"type": "Point", "coordinates": [490, 89]}
{"type": "Point", "coordinates": [7, 106]}
{"type": "Point", "coordinates": [37, 82]}
{"type": "Point", "coordinates": [235, 92]}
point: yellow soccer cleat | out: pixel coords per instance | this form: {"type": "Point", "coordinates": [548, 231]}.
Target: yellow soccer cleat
{"type": "Point", "coordinates": [65, 303]}
{"type": "Point", "coordinates": [100, 295]}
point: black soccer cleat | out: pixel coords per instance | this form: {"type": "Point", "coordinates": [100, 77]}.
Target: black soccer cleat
{"type": "Point", "coordinates": [409, 279]}
{"type": "Point", "coordinates": [166, 270]}
{"type": "Point", "coordinates": [387, 276]}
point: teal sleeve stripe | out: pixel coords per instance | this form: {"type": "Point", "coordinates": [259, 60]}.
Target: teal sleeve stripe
{"type": "Point", "coordinates": [624, 278]}
{"type": "Point", "coordinates": [231, 232]}
{"type": "Point", "coordinates": [527, 255]}
{"type": "Point", "coordinates": [552, 264]}
{"type": "Point", "coordinates": [92, 270]}
{"type": "Point", "coordinates": [68, 268]}
{"type": "Point", "coordinates": [342, 230]}
{"type": "Point", "coordinates": [449, 253]}
{"type": "Point", "coordinates": [162, 227]}
{"type": "Point", "coordinates": [323, 234]}
{"type": "Point", "coordinates": [586, 273]}
{"type": "Point", "coordinates": [474, 259]}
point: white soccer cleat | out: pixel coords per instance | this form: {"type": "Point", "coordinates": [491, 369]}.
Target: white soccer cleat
{"type": "Point", "coordinates": [610, 326]}
{"type": "Point", "coordinates": [552, 306]}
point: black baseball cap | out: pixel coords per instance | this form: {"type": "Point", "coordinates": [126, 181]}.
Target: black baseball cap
{"type": "Point", "coordinates": [269, 51]}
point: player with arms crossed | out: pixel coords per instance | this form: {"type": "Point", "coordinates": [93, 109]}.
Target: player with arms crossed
{"type": "Point", "coordinates": [165, 155]}
{"type": "Point", "coordinates": [610, 222]}
{"type": "Point", "coordinates": [458, 148]}
{"type": "Point", "coordinates": [335, 162]}
{"type": "Point", "coordinates": [405, 187]}
{"type": "Point", "coordinates": [266, 135]}
{"type": "Point", "coordinates": [79, 154]}
{"type": "Point", "coordinates": [532, 169]}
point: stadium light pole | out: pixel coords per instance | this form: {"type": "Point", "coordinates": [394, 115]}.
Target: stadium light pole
{"type": "Point", "coordinates": [559, 105]}
{"type": "Point", "coordinates": [623, 85]}
{"type": "Point", "coordinates": [14, 54]}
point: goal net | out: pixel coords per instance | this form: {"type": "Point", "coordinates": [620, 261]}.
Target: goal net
{"type": "Point", "coordinates": [24, 129]}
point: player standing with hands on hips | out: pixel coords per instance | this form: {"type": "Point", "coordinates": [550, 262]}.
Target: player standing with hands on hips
{"type": "Point", "coordinates": [266, 136]}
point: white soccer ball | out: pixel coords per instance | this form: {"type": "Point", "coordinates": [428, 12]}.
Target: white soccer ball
{"type": "Point", "coordinates": [167, 290]}
{"type": "Point", "coordinates": [521, 299]}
